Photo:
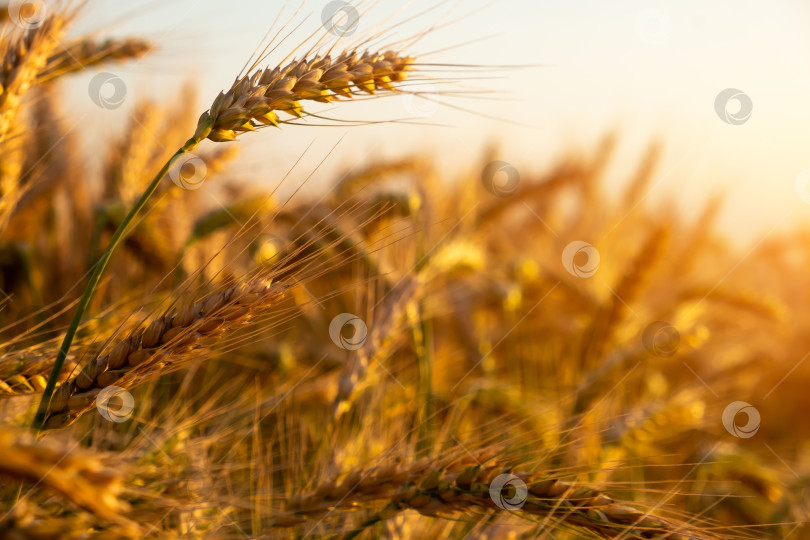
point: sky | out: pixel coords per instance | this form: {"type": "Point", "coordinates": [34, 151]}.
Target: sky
{"type": "Point", "coordinates": [560, 76]}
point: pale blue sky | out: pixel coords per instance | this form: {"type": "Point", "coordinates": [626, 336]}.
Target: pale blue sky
{"type": "Point", "coordinates": [645, 68]}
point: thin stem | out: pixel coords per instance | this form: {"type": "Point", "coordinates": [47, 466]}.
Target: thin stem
{"type": "Point", "coordinates": [423, 341]}
{"type": "Point", "coordinates": [92, 283]}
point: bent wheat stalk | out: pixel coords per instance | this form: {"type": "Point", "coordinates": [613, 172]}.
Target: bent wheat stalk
{"type": "Point", "coordinates": [250, 101]}
{"type": "Point", "coordinates": [166, 340]}
{"type": "Point", "coordinates": [444, 488]}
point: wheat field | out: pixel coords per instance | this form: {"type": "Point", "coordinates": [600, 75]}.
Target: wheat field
{"type": "Point", "coordinates": [499, 354]}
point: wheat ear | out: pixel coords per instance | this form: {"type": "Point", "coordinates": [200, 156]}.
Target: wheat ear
{"type": "Point", "coordinates": [255, 100]}
{"type": "Point", "coordinates": [24, 58]}
{"type": "Point", "coordinates": [444, 488]}
{"type": "Point", "coordinates": [166, 340]}
{"type": "Point", "coordinates": [86, 53]}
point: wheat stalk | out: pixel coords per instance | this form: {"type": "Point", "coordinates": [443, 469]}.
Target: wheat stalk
{"type": "Point", "coordinates": [166, 340]}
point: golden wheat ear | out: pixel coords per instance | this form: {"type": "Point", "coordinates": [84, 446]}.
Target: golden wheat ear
{"type": "Point", "coordinates": [255, 100]}
{"type": "Point", "coordinates": [25, 57]}
{"type": "Point", "coordinates": [445, 488]}
{"type": "Point", "coordinates": [86, 53]}
{"type": "Point", "coordinates": [167, 340]}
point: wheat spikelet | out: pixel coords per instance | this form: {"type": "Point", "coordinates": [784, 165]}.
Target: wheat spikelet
{"type": "Point", "coordinates": [86, 53]}
{"type": "Point", "coordinates": [254, 100]}
{"type": "Point", "coordinates": [168, 339]}
{"type": "Point", "coordinates": [442, 488]}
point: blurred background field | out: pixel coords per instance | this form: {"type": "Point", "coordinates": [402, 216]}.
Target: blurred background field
{"type": "Point", "coordinates": [607, 303]}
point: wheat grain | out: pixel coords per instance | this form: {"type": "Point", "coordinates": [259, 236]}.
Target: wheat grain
{"type": "Point", "coordinates": [25, 372]}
